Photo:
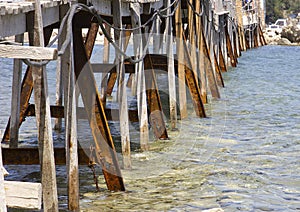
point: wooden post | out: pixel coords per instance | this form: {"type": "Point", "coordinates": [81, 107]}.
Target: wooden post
{"type": "Point", "coordinates": [139, 67]}
{"type": "Point", "coordinates": [192, 41]}
{"type": "Point", "coordinates": [2, 190]}
{"type": "Point", "coordinates": [43, 118]}
{"type": "Point", "coordinates": [71, 143]}
{"type": "Point", "coordinates": [203, 88]}
{"type": "Point", "coordinates": [171, 71]}
{"type": "Point", "coordinates": [15, 100]}
{"type": "Point", "coordinates": [59, 69]}
{"type": "Point", "coordinates": [239, 14]}
{"type": "Point", "coordinates": [181, 63]}
{"type": "Point", "coordinates": [255, 37]}
{"type": "Point", "coordinates": [106, 51]}
{"type": "Point", "coordinates": [157, 38]}
{"type": "Point", "coordinates": [122, 95]}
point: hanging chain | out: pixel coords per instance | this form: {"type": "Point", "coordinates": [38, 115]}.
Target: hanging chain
{"type": "Point", "coordinates": [92, 165]}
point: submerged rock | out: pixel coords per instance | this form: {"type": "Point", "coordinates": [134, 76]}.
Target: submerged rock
{"type": "Point", "coordinates": [284, 41]}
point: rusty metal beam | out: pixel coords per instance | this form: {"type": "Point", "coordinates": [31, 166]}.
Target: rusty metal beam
{"type": "Point", "coordinates": [154, 103]}
{"type": "Point", "coordinates": [218, 72]}
{"type": "Point", "coordinates": [104, 146]}
{"type": "Point", "coordinates": [209, 69]}
{"type": "Point", "coordinates": [192, 85]}
{"type": "Point", "coordinates": [222, 63]}
{"type": "Point", "coordinates": [58, 112]}
{"type": "Point", "coordinates": [30, 156]}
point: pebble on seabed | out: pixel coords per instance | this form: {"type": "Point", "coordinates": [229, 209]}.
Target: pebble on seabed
{"type": "Point", "coordinates": [214, 210]}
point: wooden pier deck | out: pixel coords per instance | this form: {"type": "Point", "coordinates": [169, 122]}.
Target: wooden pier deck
{"type": "Point", "coordinates": [208, 39]}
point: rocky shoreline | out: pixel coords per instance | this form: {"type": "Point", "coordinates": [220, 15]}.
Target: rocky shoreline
{"type": "Point", "coordinates": [290, 35]}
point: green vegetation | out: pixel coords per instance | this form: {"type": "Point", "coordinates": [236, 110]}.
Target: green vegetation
{"type": "Point", "coordinates": [281, 9]}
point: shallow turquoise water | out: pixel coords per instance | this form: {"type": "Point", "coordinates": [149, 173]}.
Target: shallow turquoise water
{"type": "Point", "coordinates": [244, 157]}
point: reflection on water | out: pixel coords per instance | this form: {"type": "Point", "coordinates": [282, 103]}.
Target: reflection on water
{"type": "Point", "coordinates": [244, 157]}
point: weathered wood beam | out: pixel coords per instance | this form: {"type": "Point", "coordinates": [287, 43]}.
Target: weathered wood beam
{"type": "Point", "coordinates": [121, 91]}
{"type": "Point", "coordinates": [15, 101]}
{"type": "Point", "coordinates": [181, 63]}
{"type": "Point", "coordinates": [23, 195]}
{"type": "Point", "coordinates": [139, 83]}
{"type": "Point", "coordinates": [43, 119]}
{"type": "Point", "coordinates": [28, 52]}
{"type": "Point", "coordinates": [26, 88]}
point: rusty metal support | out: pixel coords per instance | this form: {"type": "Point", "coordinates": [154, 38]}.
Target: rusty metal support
{"type": "Point", "coordinates": [153, 99]}
{"type": "Point", "coordinates": [192, 85]}
{"type": "Point", "coordinates": [261, 36]}
{"type": "Point", "coordinates": [229, 49]}
{"type": "Point", "coordinates": [111, 83]}
{"type": "Point", "coordinates": [209, 69]}
{"type": "Point", "coordinates": [218, 72]}
{"type": "Point", "coordinates": [105, 150]}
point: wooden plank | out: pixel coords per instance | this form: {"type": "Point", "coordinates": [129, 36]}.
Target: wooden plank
{"type": "Point", "coordinates": [12, 25]}
{"type": "Point", "coordinates": [105, 150]}
{"type": "Point", "coordinates": [15, 101]}
{"type": "Point", "coordinates": [24, 195]}
{"type": "Point", "coordinates": [28, 52]}
{"type": "Point", "coordinates": [43, 119]}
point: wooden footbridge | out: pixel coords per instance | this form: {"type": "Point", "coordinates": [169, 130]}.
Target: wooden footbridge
{"type": "Point", "coordinates": [207, 36]}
